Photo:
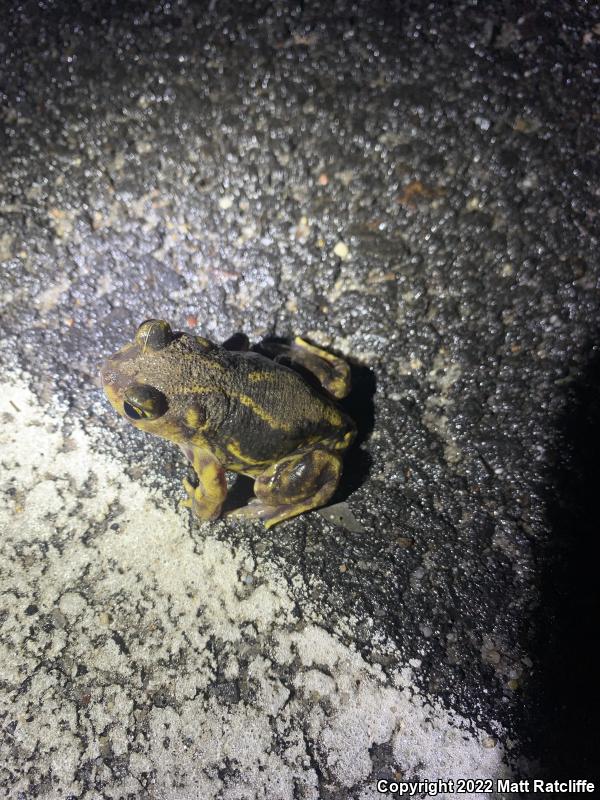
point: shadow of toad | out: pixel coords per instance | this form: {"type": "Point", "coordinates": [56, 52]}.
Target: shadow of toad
{"type": "Point", "coordinates": [563, 729]}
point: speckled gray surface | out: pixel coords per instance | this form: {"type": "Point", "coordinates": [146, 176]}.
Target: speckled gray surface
{"type": "Point", "coordinates": [417, 190]}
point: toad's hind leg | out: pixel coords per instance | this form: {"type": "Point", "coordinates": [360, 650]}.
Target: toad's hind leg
{"type": "Point", "coordinates": [332, 372]}
{"type": "Point", "coordinates": [297, 483]}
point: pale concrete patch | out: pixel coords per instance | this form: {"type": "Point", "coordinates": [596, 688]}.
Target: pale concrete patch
{"type": "Point", "coordinates": [138, 659]}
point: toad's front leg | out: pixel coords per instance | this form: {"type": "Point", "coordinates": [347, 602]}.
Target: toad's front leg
{"type": "Point", "coordinates": [208, 496]}
{"type": "Point", "coordinates": [297, 483]}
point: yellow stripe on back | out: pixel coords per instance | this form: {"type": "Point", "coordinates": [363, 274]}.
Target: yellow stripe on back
{"type": "Point", "coordinates": [262, 414]}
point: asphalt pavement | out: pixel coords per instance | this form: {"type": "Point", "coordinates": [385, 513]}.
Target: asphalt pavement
{"type": "Point", "coordinates": [413, 186]}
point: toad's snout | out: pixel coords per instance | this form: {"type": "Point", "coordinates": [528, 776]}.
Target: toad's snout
{"type": "Point", "coordinates": [107, 375]}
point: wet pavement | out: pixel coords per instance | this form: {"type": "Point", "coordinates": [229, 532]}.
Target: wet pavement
{"type": "Point", "coordinates": [416, 190]}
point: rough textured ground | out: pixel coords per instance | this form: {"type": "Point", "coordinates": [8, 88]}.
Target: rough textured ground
{"type": "Point", "coordinates": [417, 190]}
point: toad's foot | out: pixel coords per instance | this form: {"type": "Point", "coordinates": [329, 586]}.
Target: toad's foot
{"type": "Point", "coordinates": [270, 515]}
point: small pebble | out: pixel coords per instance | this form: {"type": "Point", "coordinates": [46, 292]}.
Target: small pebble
{"type": "Point", "coordinates": [341, 250]}
{"type": "Point", "coordinates": [58, 618]}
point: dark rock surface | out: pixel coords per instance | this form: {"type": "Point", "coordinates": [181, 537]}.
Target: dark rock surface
{"type": "Point", "coordinates": [415, 188]}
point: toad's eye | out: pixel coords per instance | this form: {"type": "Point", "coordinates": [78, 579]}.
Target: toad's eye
{"type": "Point", "coordinates": [132, 412]}
{"type": "Point", "coordinates": [144, 402]}
{"type": "Point", "coordinates": [154, 334]}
